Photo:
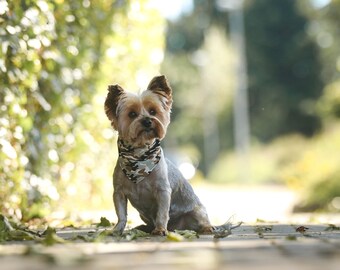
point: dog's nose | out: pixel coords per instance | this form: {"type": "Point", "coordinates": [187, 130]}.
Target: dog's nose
{"type": "Point", "coordinates": [146, 122]}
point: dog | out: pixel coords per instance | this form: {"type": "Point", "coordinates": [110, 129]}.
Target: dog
{"type": "Point", "coordinates": [154, 186]}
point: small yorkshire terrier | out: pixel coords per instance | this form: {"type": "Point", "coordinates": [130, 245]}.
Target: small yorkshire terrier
{"type": "Point", "coordinates": [155, 187]}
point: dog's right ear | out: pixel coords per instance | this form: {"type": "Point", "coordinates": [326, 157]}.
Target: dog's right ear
{"type": "Point", "coordinates": [111, 103]}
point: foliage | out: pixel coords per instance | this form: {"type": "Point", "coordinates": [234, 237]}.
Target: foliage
{"type": "Point", "coordinates": [293, 68]}
{"type": "Point", "coordinates": [15, 232]}
{"type": "Point", "coordinates": [315, 172]}
{"type": "Point", "coordinates": [329, 103]}
{"type": "Point", "coordinates": [310, 167]}
{"type": "Point", "coordinates": [322, 196]}
{"type": "Point", "coordinates": [283, 70]}
{"type": "Point", "coordinates": [49, 237]}
{"type": "Point", "coordinates": [57, 58]}
{"type": "Point", "coordinates": [265, 161]}
{"type": "Point", "coordinates": [323, 28]}
{"type": "Point", "coordinates": [130, 60]}
{"type": "Point", "coordinates": [51, 60]}
{"type": "Point", "coordinates": [202, 93]}
{"type": "Point", "coordinates": [50, 53]}
{"type": "Point", "coordinates": [104, 222]}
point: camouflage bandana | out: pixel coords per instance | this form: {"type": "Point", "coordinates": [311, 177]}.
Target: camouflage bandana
{"type": "Point", "coordinates": [137, 163]}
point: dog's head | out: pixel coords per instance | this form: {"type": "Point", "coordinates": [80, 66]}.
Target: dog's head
{"type": "Point", "coordinates": [140, 119]}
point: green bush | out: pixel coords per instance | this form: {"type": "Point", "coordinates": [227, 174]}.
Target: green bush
{"type": "Point", "coordinates": [329, 104]}
{"type": "Point", "coordinates": [262, 164]}
{"type": "Point", "coordinates": [54, 67]}
{"type": "Point", "coordinates": [308, 166]}
{"type": "Point", "coordinates": [323, 195]}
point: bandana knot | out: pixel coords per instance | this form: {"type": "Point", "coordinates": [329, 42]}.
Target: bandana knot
{"type": "Point", "coordinates": [137, 163]}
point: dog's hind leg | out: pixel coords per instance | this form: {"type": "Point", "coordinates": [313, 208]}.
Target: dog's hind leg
{"type": "Point", "coordinates": [145, 228]}
{"type": "Point", "coordinates": [196, 220]}
{"type": "Point", "coordinates": [148, 227]}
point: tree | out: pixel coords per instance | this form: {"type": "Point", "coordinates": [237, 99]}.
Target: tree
{"type": "Point", "coordinates": [51, 60]}
{"type": "Point", "coordinates": [284, 70]}
{"type": "Point", "coordinates": [203, 93]}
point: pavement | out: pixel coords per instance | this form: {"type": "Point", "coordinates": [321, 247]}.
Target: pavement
{"type": "Point", "coordinates": [270, 238]}
{"type": "Point", "coordinates": [261, 246]}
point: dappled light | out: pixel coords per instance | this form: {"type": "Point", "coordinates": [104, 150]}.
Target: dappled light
{"type": "Point", "coordinates": [242, 98]}
{"type": "Point", "coordinates": [57, 58]}
{"type": "Point", "coordinates": [293, 76]}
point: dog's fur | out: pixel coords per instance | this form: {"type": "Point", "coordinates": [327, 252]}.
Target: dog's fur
{"type": "Point", "coordinates": [164, 199]}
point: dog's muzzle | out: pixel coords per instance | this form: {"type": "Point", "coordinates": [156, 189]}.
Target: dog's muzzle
{"type": "Point", "coordinates": [147, 122]}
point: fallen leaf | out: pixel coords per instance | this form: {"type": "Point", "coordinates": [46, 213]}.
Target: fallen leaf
{"type": "Point", "coordinates": [301, 229]}
{"type": "Point", "coordinates": [8, 233]}
{"type": "Point", "coordinates": [134, 234]}
{"type": "Point", "coordinates": [291, 237]}
{"type": "Point", "coordinates": [51, 237]}
{"type": "Point", "coordinates": [104, 222]}
{"type": "Point", "coordinates": [5, 225]}
{"type": "Point", "coordinates": [94, 236]}
{"type": "Point", "coordinates": [332, 227]}
{"type": "Point", "coordinates": [187, 234]}
{"type": "Point", "coordinates": [174, 237]}
{"type": "Point", "coordinates": [258, 220]}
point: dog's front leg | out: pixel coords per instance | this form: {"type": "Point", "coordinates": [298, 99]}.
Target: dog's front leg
{"type": "Point", "coordinates": [162, 218]}
{"type": "Point", "coordinates": [120, 202]}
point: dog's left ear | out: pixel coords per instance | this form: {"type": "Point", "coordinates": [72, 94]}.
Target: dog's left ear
{"type": "Point", "coordinates": [114, 94]}
{"type": "Point", "coordinates": [160, 85]}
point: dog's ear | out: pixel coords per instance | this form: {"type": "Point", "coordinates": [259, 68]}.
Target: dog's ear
{"type": "Point", "coordinates": [160, 85]}
{"type": "Point", "coordinates": [111, 103]}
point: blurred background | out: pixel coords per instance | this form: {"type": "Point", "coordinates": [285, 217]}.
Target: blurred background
{"type": "Point", "coordinates": [255, 121]}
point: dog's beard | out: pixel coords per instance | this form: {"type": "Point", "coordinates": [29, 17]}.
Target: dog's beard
{"type": "Point", "coordinates": [138, 135]}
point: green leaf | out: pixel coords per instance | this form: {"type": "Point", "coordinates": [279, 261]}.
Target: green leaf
{"type": "Point", "coordinates": [174, 237]}
{"type": "Point", "coordinates": [104, 222]}
{"type": "Point", "coordinates": [94, 236]}
{"type": "Point", "coordinates": [260, 230]}
{"type": "Point", "coordinates": [51, 237]}
{"type": "Point", "coordinates": [5, 225]}
{"type": "Point", "coordinates": [8, 233]}
{"type": "Point", "coordinates": [332, 227]}
{"type": "Point", "coordinates": [188, 234]}
{"type": "Point", "coordinates": [134, 234]}
{"type": "Point", "coordinates": [20, 235]}
{"type": "Point", "coordinates": [291, 237]}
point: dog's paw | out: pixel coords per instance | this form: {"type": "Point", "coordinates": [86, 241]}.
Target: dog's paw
{"type": "Point", "coordinates": [119, 228]}
{"type": "Point", "coordinates": [159, 231]}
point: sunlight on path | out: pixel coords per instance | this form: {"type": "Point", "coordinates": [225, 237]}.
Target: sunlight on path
{"type": "Point", "coordinates": [239, 203]}
{"type": "Point", "coordinates": [246, 204]}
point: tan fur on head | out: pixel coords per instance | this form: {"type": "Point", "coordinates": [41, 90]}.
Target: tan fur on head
{"type": "Point", "coordinates": [128, 112]}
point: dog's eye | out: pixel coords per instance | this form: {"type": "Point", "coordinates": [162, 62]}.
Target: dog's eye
{"type": "Point", "coordinates": [132, 115]}
{"type": "Point", "coordinates": [152, 112]}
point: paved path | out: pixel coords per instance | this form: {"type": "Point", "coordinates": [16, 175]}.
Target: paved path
{"type": "Point", "coordinates": [261, 246]}
{"type": "Point", "coordinates": [222, 202]}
